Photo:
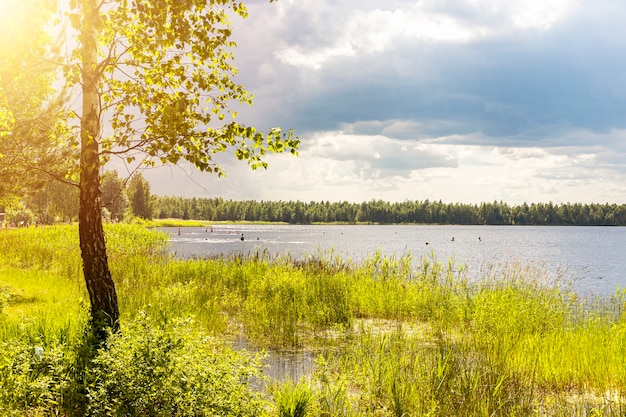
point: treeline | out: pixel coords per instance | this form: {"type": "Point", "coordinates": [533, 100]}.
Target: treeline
{"type": "Point", "coordinates": [381, 212]}
{"type": "Point", "coordinates": [57, 202]}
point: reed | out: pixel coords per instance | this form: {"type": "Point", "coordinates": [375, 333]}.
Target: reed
{"type": "Point", "coordinates": [399, 375]}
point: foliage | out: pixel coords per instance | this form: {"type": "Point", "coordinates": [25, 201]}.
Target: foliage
{"type": "Point", "coordinates": [139, 196]}
{"type": "Point", "coordinates": [35, 378]}
{"type": "Point", "coordinates": [6, 118]}
{"type": "Point", "coordinates": [152, 368]}
{"type": "Point", "coordinates": [56, 202]}
{"type": "Point", "coordinates": [19, 215]}
{"type": "Point", "coordinates": [166, 369]}
{"type": "Point", "coordinates": [168, 85]}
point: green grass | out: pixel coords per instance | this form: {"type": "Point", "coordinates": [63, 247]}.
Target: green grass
{"type": "Point", "coordinates": [293, 399]}
{"type": "Point", "coordinates": [40, 302]}
{"type": "Point", "coordinates": [394, 339]}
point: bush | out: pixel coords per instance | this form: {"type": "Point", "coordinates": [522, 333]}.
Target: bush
{"type": "Point", "coordinates": [148, 369]}
{"type": "Point", "coordinates": [34, 378]}
{"type": "Point", "coordinates": [156, 369]}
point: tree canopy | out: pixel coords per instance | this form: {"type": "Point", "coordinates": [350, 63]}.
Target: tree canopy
{"type": "Point", "coordinates": [139, 196]}
{"type": "Point", "coordinates": [114, 196]}
{"type": "Point", "coordinates": [167, 85]}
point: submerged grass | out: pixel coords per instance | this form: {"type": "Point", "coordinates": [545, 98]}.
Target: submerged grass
{"type": "Point", "coordinates": [397, 336]}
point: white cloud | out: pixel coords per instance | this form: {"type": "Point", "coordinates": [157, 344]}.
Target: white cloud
{"type": "Point", "coordinates": [379, 155]}
{"type": "Point", "coordinates": [377, 30]}
{"type": "Point", "coordinates": [538, 14]}
{"type": "Point", "coordinates": [315, 58]}
{"type": "Point", "coordinates": [374, 31]}
{"type": "Point", "coordinates": [341, 166]}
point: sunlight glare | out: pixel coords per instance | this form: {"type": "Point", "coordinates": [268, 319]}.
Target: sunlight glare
{"type": "Point", "coordinates": [6, 5]}
{"type": "Point", "coordinates": [7, 8]}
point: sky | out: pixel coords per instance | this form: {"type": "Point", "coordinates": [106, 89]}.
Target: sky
{"type": "Point", "coordinates": [454, 100]}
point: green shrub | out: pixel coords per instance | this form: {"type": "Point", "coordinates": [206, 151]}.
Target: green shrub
{"type": "Point", "coordinates": [34, 378]}
{"type": "Point", "coordinates": [160, 369]}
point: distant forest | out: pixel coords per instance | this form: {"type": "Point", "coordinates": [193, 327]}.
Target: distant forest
{"type": "Point", "coordinates": [381, 212]}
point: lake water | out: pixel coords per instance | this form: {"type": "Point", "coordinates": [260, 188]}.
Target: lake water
{"type": "Point", "coordinates": [594, 256]}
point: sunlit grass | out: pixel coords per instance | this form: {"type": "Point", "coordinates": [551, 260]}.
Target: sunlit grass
{"type": "Point", "coordinates": [41, 306]}
{"type": "Point", "coordinates": [171, 222]}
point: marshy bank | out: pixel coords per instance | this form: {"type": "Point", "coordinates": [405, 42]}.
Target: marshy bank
{"type": "Point", "coordinates": [386, 336]}
{"type": "Point", "coordinates": [592, 254]}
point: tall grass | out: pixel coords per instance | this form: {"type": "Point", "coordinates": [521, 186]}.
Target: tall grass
{"type": "Point", "coordinates": [293, 399]}
{"type": "Point", "coordinates": [394, 374]}
{"type": "Point", "coordinates": [397, 336]}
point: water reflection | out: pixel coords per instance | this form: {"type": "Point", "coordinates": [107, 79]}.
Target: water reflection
{"type": "Point", "coordinates": [281, 365]}
{"type": "Point", "coordinates": [293, 365]}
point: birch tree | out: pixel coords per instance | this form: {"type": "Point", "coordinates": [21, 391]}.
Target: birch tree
{"type": "Point", "coordinates": [159, 76]}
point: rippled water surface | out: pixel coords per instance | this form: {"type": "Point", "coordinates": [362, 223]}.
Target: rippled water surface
{"type": "Point", "coordinates": [593, 255]}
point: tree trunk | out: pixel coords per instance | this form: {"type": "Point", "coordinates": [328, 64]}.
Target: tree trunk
{"type": "Point", "coordinates": [100, 285]}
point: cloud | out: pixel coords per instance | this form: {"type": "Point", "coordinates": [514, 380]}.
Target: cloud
{"type": "Point", "coordinates": [373, 31]}
{"type": "Point", "coordinates": [469, 101]}
{"type": "Point", "coordinates": [379, 154]}
{"type": "Point", "coordinates": [335, 166]}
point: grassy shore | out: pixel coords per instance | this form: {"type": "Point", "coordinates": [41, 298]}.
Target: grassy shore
{"type": "Point", "coordinates": [391, 336]}
{"type": "Point", "coordinates": [193, 223]}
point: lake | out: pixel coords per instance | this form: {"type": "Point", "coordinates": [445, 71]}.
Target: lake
{"type": "Point", "coordinates": [593, 256]}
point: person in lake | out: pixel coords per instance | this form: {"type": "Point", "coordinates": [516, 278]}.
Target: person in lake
{"type": "Point", "coordinates": [241, 237]}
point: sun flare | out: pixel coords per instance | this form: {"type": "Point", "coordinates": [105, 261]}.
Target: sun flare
{"type": "Point", "coordinates": [7, 10]}
{"type": "Point", "coordinates": [6, 6]}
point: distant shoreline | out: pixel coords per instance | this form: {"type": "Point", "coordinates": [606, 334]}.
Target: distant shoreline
{"type": "Point", "coordinates": [172, 222]}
